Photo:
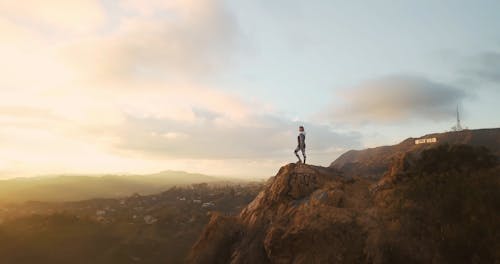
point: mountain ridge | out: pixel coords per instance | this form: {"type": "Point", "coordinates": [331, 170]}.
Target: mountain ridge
{"type": "Point", "coordinates": [374, 162]}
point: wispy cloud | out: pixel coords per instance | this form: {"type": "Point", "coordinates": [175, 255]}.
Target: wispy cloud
{"type": "Point", "coordinates": [77, 16]}
{"type": "Point", "coordinates": [484, 67]}
{"type": "Point", "coordinates": [394, 99]}
{"type": "Point", "coordinates": [123, 93]}
{"type": "Point", "coordinates": [262, 136]}
{"type": "Point", "coordinates": [161, 39]}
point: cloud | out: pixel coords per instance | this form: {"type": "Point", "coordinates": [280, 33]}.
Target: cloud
{"type": "Point", "coordinates": [396, 99]}
{"type": "Point", "coordinates": [265, 136]}
{"type": "Point", "coordinates": [183, 128]}
{"type": "Point", "coordinates": [29, 60]}
{"type": "Point", "coordinates": [128, 98]}
{"type": "Point", "coordinates": [68, 16]}
{"type": "Point", "coordinates": [160, 39]}
{"type": "Point", "coordinates": [484, 67]}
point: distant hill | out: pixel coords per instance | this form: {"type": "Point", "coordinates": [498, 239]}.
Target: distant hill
{"type": "Point", "coordinates": [78, 187]}
{"type": "Point", "coordinates": [374, 162]}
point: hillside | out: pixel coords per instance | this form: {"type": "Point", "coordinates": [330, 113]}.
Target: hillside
{"type": "Point", "coordinates": [436, 203]}
{"type": "Point", "coordinates": [77, 187]}
{"type": "Point", "coordinates": [374, 162]}
{"type": "Point", "coordinates": [152, 229]}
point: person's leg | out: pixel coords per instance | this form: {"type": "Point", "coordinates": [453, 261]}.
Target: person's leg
{"type": "Point", "coordinates": [304, 154]}
{"type": "Point", "coordinates": [297, 150]}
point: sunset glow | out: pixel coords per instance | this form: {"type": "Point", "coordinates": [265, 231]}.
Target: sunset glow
{"type": "Point", "coordinates": [209, 86]}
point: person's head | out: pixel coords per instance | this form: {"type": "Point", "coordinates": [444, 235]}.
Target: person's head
{"type": "Point", "coordinates": [301, 128]}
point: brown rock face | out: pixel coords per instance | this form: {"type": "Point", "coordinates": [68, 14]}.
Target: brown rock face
{"type": "Point", "coordinates": [217, 239]}
{"type": "Point", "coordinates": [304, 213]}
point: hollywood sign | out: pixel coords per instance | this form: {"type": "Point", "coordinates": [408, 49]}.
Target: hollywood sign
{"type": "Point", "coordinates": [425, 140]}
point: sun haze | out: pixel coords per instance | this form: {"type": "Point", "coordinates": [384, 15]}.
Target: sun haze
{"type": "Point", "coordinates": [220, 87]}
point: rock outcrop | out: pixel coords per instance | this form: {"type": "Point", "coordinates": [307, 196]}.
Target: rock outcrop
{"type": "Point", "coordinates": [312, 214]}
{"type": "Point", "coordinates": [302, 214]}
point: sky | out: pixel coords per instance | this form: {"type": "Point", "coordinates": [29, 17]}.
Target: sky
{"type": "Point", "coordinates": [220, 87]}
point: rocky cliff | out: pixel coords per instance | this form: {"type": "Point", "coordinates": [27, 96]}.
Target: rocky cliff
{"type": "Point", "coordinates": [312, 214]}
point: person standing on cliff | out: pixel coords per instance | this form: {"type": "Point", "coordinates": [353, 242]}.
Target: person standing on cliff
{"type": "Point", "coordinates": [301, 144]}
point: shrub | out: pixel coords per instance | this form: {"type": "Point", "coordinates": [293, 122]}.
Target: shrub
{"type": "Point", "coordinates": [449, 204]}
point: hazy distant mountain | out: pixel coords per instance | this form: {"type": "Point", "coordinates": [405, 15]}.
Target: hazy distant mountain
{"type": "Point", "coordinates": [77, 187]}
